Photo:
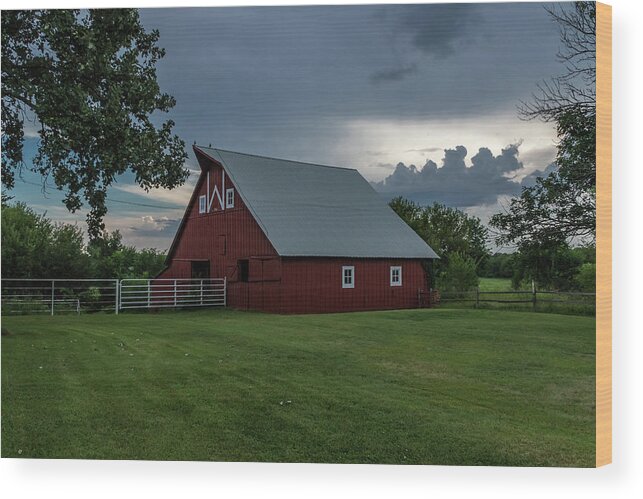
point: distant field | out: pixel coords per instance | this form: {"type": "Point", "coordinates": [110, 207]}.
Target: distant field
{"type": "Point", "coordinates": [495, 284]}
{"type": "Point", "coordinates": [439, 386]}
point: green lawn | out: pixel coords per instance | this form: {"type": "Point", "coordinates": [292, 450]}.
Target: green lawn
{"type": "Point", "coordinates": [474, 387]}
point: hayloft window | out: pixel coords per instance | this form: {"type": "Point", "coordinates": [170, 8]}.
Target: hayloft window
{"type": "Point", "coordinates": [202, 204]}
{"type": "Point", "coordinates": [229, 198]}
{"type": "Point", "coordinates": [348, 277]}
{"type": "Point", "coordinates": [396, 276]}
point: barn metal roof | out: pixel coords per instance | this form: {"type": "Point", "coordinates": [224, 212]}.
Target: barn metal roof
{"type": "Point", "coordinates": [315, 210]}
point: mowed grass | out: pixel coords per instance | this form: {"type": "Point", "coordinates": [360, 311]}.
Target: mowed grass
{"type": "Point", "coordinates": [467, 387]}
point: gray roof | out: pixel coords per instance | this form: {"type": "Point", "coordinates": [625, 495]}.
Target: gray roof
{"type": "Point", "coordinates": [314, 210]}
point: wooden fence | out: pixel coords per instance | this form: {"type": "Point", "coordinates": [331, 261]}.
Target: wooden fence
{"type": "Point", "coordinates": [574, 302]}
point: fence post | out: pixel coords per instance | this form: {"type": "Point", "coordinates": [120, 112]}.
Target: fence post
{"type": "Point", "coordinates": [477, 296]}
{"type": "Point", "coordinates": [117, 289]}
{"type": "Point", "coordinates": [533, 295]}
{"type": "Point", "coordinates": [52, 297]}
{"type": "Point", "coordinates": [175, 292]}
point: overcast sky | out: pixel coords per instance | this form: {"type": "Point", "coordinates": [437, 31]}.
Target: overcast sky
{"type": "Point", "coordinates": [386, 89]}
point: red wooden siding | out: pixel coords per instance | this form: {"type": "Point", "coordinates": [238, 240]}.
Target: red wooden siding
{"type": "Point", "coordinates": [315, 285]}
{"type": "Point", "coordinates": [280, 284]}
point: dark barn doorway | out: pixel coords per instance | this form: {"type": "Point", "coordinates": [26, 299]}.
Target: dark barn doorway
{"type": "Point", "coordinates": [200, 270]}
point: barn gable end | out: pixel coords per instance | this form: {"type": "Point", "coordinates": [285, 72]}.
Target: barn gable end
{"type": "Point", "coordinates": [221, 236]}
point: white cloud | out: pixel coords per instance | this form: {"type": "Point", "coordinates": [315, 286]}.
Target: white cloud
{"type": "Point", "coordinates": [416, 141]}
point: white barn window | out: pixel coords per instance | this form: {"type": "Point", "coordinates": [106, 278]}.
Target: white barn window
{"type": "Point", "coordinates": [396, 276]}
{"type": "Point", "coordinates": [229, 198]}
{"type": "Point", "coordinates": [348, 277]}
{"type": "Point", "coordinates": [202, 204]}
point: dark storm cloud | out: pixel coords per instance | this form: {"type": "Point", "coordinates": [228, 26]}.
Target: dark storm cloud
{"type": "Point", "coordinates": [393, 74]}
{"type": "Point", "coordinates": [282, 80]}
{"type": "Point", "coordinates": [456, 183]}
{"type": "Point", "coordinates": [436, 30]}
{"type": "Point", "coordinates": [439, 29]}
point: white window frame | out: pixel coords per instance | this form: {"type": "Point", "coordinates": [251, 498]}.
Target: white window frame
{"type": "Point", "coordinates": [229, 198]}
{"type": "Point", "coordinates": [203, 203]}
{"type": "Point", "coordinates": [350, 284]}
{"type": "Point", "coordinates": [395, 268]}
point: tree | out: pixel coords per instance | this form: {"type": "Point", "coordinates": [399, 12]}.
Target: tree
{"type": "Point", "coordinates": [111, 259]}
{"type": "Point", "coordinates": [88, 80]}
{"type": "Point", "coordinates": [550, 266]}
{"type": "Point", "coordinates": [459, 275]}
{"type": "Point", "coordinates": [575, 89]}
{"type": "Point", "coordinates": [33, 247]}
{"type": "Point", "coordinates": [562, 206]}
{"type": "Point", "coordinates": [447, 230]}
{"type": "Point", "coordinates": [498, 265]}
{"type": "Point", "coordinates": [586, 278]}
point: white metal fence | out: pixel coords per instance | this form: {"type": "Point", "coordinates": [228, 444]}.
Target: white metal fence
{"type": "Point", "coordinates": [54, 296]}
{"type": "Point", "coordinates": [169, 293]}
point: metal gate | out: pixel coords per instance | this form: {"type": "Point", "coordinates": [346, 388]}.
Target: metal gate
{"type": "Point", "coordinates": [56, 296]}
{"type": "Point", "coordinates": [171, 293]}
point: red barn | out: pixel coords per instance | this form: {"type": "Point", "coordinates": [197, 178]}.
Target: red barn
{"type": "Point", "coordinates": [294, 237]}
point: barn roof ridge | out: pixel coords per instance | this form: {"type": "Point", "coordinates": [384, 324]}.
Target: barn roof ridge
{"type": "Point", "coordinates": [262, 156]}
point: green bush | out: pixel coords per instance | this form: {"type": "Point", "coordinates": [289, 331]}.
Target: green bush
{"type": "Point", "coordinates": [586, 278]}
{"type": "Point", "coordinates": [459, 275]}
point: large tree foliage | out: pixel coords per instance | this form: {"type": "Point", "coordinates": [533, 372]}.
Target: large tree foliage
{"type": "Point", "coordinates": [498, 265]}
{"type": "Point", "coordinates": [562, 206]}
{"type": "Point", "coordinates": [34, 247]}
{"type": "Point", "coordinates": [88, 82]}
{"type": "Point", "coordinates": [447, 230]}
{"type": "Point", "coordinates": [553, 266]}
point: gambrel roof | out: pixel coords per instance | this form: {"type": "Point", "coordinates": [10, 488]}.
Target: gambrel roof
{"type": "Point", "coordinates": [319, 211]}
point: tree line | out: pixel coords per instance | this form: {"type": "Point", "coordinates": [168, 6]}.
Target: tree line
{"type": "Point", "coordinates": [35, 247]}
{"type": "Point", "coordinates": [462, 243]}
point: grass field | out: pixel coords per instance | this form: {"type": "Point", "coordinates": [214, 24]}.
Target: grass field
{"type": "Point", "coordinates": [495, 284]}
{"type": "Point", "coordinates": [470, 387]}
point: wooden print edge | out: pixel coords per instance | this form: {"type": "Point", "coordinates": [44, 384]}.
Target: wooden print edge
{"type": "Point", "coordinates": [603, 234]}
